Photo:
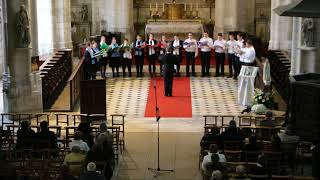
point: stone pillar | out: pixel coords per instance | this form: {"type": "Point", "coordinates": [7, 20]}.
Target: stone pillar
{"type": "Point", "coordinates": [96, 19]}
{"type": "Point", "coordinates": [2, 45]}
{"type": "Point", "coordinates": [234, 15]}
{"type": "Point", "coordinates": [280, 28]}
{"type": "Point", "coordinates": [22, 89]}
{"type": "Point", "coordinates": [295, 51]}
{"type": "Point", "coordinates": [116, 16]}
{"type": "Point", "coordinates": [61, 11]}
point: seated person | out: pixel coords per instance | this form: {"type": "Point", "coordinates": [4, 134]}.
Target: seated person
{"type": "Point", "coordinates": [25, 136]}
{"type": "Point", "coordinates": [91, 173]}
{"type": "Point", "coordinates": [268, 122]}
{"type": "Point", "coordinates": [260, 169]}
{"type": "Point", "coordinates": [275, 144]}
{"type": "Point", "coordinates": [253, 145]}
{"type": "Point", "coordinates": [240, 173]}
{"type": "Point", "coordinates": [65, 174]}
{"type": "Point", "coordinates": [77, 141]}
{"type": "Point", "coordinates": [107, 136]}
{"type": "Point", "coordinates": [232, 133]}
{"type": "Point", "coordinates": [289, 143]}
{"type": "Point", "coordinates": [208, 158]}
{"type": "Point", "coordinates": [216, 175]}
{"type": "Point", "coordinates": [102, 153]}
{"type": "Point", "coordinates": [75, 160]}
{"type": "Point", "coordinates": [45, 139]}
{"type": "Point", "coordinates": [85, 128]}
{"type": "Point", "coordinates": [211, 136]}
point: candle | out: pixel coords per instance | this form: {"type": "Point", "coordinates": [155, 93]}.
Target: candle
{"type": "Point", "coordinates": [185, 6]}
{"type": "Point", "coordinates": [197, 7]}
{"type": "Point", "coordinates": [190, 6]}
{"type": "Point", "coordinates": [156, 6]}
{"type": "Point", "coordinates": [162, 7]}
{"type": "Point", "coordinates": [150, 7]}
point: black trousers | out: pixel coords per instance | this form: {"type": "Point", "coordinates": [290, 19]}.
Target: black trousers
{"type": "Point", "coordinates": [152, 62]}
{"type": "Point", "coordinates": [232, 64]}
{"type": "Point", "coordinates": [168, 81]}
{"type": "Point", "coordinates": [190, 61]}
{"type": "Point", "coordinates": [139, 65]}
{"type": "Point", "coordinates": [178, 64]}
{"type": "Point", "coordinates": [126, 63]}
{"type": "Point", "coordinates": [220, 63]}
{"type": "Point", "coordinates": [237, 66]}
{"type": "Point", "coordinates": [205, 63]}
{"type": "Point", "coordinates": [92, 69]}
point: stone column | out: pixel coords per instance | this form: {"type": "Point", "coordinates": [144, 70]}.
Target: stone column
{"type": "Point", "coordinates": [22, 89]}
{"type": "Point", "coordinates": [117, 16]}
{"type": "Point", "coordinates": [61, 11]}
{"type": "Point", "coordinates": [280, 28]}
{"type": "Point", "coordinates": [234, 15]}
{"type": "Point", "coordinates": [2, 45]}
{"type": "Point", "coordinates": [295, 51]}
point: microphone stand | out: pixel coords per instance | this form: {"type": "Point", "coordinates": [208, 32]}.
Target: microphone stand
{"type": "Point", "coordinates": [157, 170]}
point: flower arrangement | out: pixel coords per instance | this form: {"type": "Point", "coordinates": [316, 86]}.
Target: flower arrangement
{"type": "Point", "coordinates": [261, 97]}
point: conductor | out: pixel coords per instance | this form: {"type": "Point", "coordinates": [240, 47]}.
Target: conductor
{"type": "Point", "coordinates": [168, 61]}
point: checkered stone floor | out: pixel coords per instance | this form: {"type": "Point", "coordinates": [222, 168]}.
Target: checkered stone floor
{"type": "Point", "coordinates": [209, 96]}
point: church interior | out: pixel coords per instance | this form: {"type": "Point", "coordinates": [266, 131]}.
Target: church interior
{"type": "Point", "coordinates": [159, 89]}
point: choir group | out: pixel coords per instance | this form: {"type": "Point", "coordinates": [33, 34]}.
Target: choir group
{"type": "Point", "coordinates": [238, 52]}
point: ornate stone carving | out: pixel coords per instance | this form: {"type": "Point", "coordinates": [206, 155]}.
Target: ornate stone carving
{"type": "Point", "coordinates": [84, 13]}
{"type": "Point", "coordinates": [307, 32]}
{"type": "Point", "coordinates": [23, 30]}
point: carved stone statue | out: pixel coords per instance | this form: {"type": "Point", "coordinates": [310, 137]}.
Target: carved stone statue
{"type": "Point", "coordinates": [307, 31]}
{"type": "Point", "coordinates": [84, 13]}
{"type": "Point", "coordinates": [22, 25]}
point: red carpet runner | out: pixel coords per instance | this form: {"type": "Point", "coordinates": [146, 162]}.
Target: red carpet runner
{"type": "Point", "coordinates": [179, 105]}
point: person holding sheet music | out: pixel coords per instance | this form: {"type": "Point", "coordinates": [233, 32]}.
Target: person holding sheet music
{"type": "Point", "coordinates": [205, 44]}
{"type": "Point", "coordinates": [104, 59]}
{"type": "Point", "coordinates": [177, 51]}
{"type": "Point", "coordinates": [162, 45]}
{"type": "Point", "coordinates": [248, 54]}
{"type": "Point", "coordinates": [87, 61]}
{"type": "Point", "coordinates": [219, 46]}
{"type": "Point", "coordinates": [190, 45]}
{"type": "Point", "coordinates": [139, 46]}
{"type": "Point", "coordinates": [231, 49]}
{"type": "Point", "coordinates": [114, 57]}
{"type": "Point", "coordinates": [152, 56]}
{"type": "Point", "coordinates": [240, 44]}
{"type": "Point", "coordinates": [92, 65]}
{"type": "Point", "coordinates": [126, 57]}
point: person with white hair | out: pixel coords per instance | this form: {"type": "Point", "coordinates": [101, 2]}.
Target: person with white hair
{"type": "Point", "coordinates": [241, 173]}
{"type": "Point", "coordinates": [216, 175]}
{"type": "Point", "coordinates": [91, 173]}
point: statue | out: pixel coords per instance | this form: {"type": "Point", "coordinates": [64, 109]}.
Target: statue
{"type": "Point", "coordinates": [22, 25]}
{"type": "Point", "coordinates": [307, 31]}
{"type": "Point", "coordinates": [84, 13]}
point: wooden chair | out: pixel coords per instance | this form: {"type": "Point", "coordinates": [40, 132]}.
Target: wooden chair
{"type": "Point", "coordinates": [120, 123]}
{"type": "Point", "coordinates": [225, 119]}
{"type": "Point", "coordinates": [245, 121]}
{"type": "Point", "coordinates": [304, 154]}
{"type": "Point", "coordinates": [233, 156]}
{"type": "Point", "coordinates": [303, 178]}
{"type": "Point", "coordinates": [211, 120]}
{"type": "Point", "coordinates": [7, 118]}
{"type": "Point", "coordinates": [63, 120]}
{"type": "Point", "coordinates": [115, 131]}
{"type": "Point", "coordinates": [97, 119]}
{"type": "Point", "coordinates": [278, 177]}
{"type": "Point", "coordinates": [70, 130]}
{"type": "Point", "coordinates": [42, 117]}
{"type": "Point", "coordinates": [24, 117]}
{"type": "Point", "coordinates": [232, 145]}
{"type": "Point", "coordinates": [77, 118]}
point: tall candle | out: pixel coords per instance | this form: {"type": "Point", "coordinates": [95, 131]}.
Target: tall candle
{"type": "Point", "coordinates": [190, 6]}
{"type": "Point", "coordinates": [156, 6]}
{"type": "Point", "coordinates": [197, 7]}
{"type": "Point", "coordinates": [150, 7]}
{"type": "Point", "coordinates": [162, 7]}
{"type": "Point", "coordinates": [185, 6]}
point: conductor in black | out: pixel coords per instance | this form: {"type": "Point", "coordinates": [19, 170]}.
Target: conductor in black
{"type": "Point", "coordinates": [168, 61]}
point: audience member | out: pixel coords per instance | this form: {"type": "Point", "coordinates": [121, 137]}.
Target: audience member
{"type": "Point", "coordinates": [268, 122]}
{"type": "Point", "coordinates": [91, 173]}
{"type": "Point", "coordinates": [103, 153]}
{"type": "Point", "coordinates": [253, 145]}
{"type": "Point", "coordinates": [260, 169]}
{"type": "Point", "coordinates": [75, 159]}
{"type": "Point", "coordinates": [240, 173]}
{"type": "Point", "coordinates": [85, 128]}
{"type": "Point", "coordinates": [45, 139]}
{"type": "Point", "coordinates": [211, 137]}
{"type": "Point", "coordinates": [25, 136]}
{"type": "Point", "coordinates": [79, 142]}
{"type": "Point", "coordinates": [65, 174]}
{"type": "Point", "coordinates": [216, 175]}
{"type": "Point", "coordinates": [208, 158]}
{"type": "Point", "coordinates": [232, 133]}
{"type": "Point", "coordinates": [104, 134]}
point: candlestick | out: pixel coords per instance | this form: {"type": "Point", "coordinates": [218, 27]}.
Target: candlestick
{"type": "Point", "coordinates": [185, 6]}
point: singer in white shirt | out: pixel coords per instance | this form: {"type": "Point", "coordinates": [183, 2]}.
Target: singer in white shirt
{"type": "Point", "coordinates": [190, 45]}
{"type": "Point", "coordinates": [219, 46]}
{"type": "Point", "coordinates": [240, 44]}
{"type": "Point", "coordinates": [248, 54]}
{"type": "Point", "coordinates": [152, 44]}
{"type": "Point", "coordinates": [205, 45]}
{"type": "Point", "coordinates": [231, 49]}
{"type": "Point", "coordinates": [177, 45]}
